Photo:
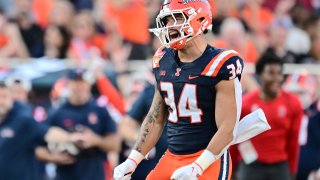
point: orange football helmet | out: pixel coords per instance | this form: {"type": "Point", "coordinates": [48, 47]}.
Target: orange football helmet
{"type": "Point", "coordinates": [197, 18]}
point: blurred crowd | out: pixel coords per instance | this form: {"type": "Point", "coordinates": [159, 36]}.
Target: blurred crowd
{"type": "Point", "coordinates": [110, 39]}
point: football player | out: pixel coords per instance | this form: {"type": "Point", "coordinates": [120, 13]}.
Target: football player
{"type": "Point", "coordinates": [197, 96]}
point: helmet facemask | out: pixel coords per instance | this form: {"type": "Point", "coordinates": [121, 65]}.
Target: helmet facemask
{"type": "Point", "coordinates": [184, 33]}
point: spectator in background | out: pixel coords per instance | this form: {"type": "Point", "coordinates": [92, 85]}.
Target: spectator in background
{"type": "Point", "coordinates": [106, 89]}
{"type": "Point", "coordinates": [119, 18]}
{"type": "Point", "coordinates": [221, 10]}
{"type": "Point", "coordinates": [41, 10]}
{"type": "Point", "coordinates": [306, 87]}
{"type": "Point", "coordinates": [19, 87]}
{"type": "Point", "coordinates": [11, 42]}
{"type": "Point", "coordinates": [129, 130]}
{"type": "Point", "coordinates": [61, 14]}
{"type": "Point", "coordinates": [311, 5]}
{"type": "Point", "coordinates": [298, 40]}
{"type": "Point", "coordinates": [309, 154]}
{"type": "Point", "coordinates": [258, 19]}
{"type": "Point", "coordinates": [278, 38]}
{"type": "Point", "coordinates": [86, 43]}
{"type": "Point", "coordinates": [233, 36]}
{"type": "Point", "coordinates": [273, 154]}
{"type": "Point", "coordinates": [314, 54]}
{"type": "Point", "coordinates": [271, 4]}
{"type": "Point", "coordinates": [313, 24]}
{"type": "Point", "coordinates": [152, 11]}
{"type": "Point", "coordinates": [131, 86]}
{"type": "Point", "coordinates": [56, 42]}
{"type": "Point", "coordinates": [83, 4]}
{"type": "Point", "coordinates": [155, 44]}
{"type": "Point", "coordinates": [58, 93]}
{"type": "Point", "coordinates": [31, 33]}
{"type": "Point", "coordinates": [93, 132]}
{"type": "Point", "coordinates": [7, 7]}
{"type": "Point", "coordinates": [19, 136]}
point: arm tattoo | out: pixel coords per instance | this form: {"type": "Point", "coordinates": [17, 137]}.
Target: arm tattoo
{"type": "Point", "coordinates": [148, 122]}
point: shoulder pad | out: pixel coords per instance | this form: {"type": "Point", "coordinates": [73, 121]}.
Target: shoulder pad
{"type": "Point", "coordinates": [214, 66]}
{"type": "Point", "coordinates": [157, 57]}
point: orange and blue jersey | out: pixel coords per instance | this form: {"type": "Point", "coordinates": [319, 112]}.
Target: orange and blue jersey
{"type": "Point", "coordinates": [188, 90]}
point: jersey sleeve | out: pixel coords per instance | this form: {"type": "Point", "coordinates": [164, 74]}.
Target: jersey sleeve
{"type": "Point", "coordinates": [231, 69]}
{"type": "Point", "coordinates": [156, 63]}
{"type": "Point", "coordinates": [227, 65]}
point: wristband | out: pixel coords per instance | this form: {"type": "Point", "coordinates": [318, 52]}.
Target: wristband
{"type": "Point", "coordinates": [136, 156]}
{"type": "Point", "coordinates": [206, 159]}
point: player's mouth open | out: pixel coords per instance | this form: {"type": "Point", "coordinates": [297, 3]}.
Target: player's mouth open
{"type": "Point", "coordinates": [173, 34]}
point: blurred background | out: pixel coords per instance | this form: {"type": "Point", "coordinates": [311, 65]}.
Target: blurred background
{"type": "Point", "coordinates": [41, 40]}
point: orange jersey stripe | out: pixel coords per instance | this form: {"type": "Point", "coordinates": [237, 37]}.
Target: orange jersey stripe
{"type": "Point", "coordinates": [216, 71]}
{"type": "Point", "coordinates": [206, 70]}
{"type": "Point", "coordinates": [216, 63]}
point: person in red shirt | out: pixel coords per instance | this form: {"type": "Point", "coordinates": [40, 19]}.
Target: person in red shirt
{"type": "Point", "coordinates": [86, 43]}
{"type": "Point", "coordinates": [272, 155]}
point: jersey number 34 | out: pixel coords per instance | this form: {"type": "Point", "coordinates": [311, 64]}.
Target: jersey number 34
{"type": "Point", "coordinates": [187, 104]}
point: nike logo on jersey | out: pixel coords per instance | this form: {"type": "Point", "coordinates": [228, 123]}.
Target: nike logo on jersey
{"type": "Point", "coordinates": [192, 77]}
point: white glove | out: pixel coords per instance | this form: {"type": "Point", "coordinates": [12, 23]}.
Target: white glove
{"type": "Point", "coordinates": [124, 170]}
{"type": "Point", "coordinates": [189, 172]}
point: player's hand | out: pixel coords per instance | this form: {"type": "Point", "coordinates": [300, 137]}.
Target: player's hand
{"type": "Point", "coordinates": [189, 172]}
{"type": "Point", "coordinates": [124, 170]}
